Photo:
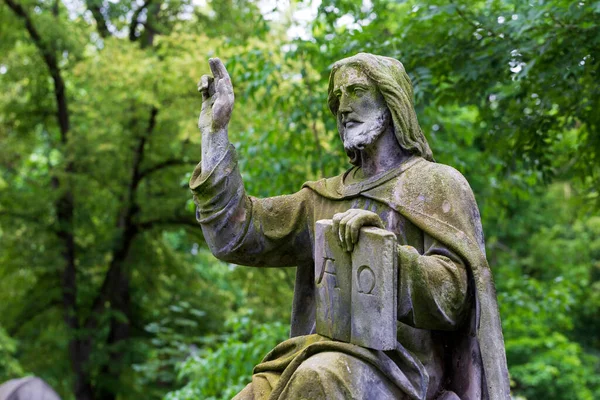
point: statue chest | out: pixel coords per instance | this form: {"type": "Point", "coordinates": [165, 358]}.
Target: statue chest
{"type": "Point", "coordinates": [407, 234]}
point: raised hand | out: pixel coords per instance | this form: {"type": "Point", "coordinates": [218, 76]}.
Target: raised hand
{"type": "Point", "coordinates": [346, 225]}
{"type": "Point", "coordinates": [217, 98]}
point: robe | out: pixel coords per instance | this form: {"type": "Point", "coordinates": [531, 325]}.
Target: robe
{"type": "Point", "coordinates": [449, 335]}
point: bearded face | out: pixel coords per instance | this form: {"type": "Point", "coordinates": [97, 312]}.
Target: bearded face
{"type": "Point", "coordinates": [362, 114]}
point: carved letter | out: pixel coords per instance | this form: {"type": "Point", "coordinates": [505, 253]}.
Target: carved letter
{"type": "Point", "coordinates": [330, 269]}
{"type": "Point", "coordinates": [365, 279]}
{"type": "Point", "coordinates": [327, 266]}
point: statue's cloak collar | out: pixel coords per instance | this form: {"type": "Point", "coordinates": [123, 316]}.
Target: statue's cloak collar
{"type": "Point", "coordinates": [336, 188]}
{"type": "Point", "coordinates": [438, 200]}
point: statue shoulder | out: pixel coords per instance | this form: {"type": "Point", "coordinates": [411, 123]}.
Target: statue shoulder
{"type": "Point", "coordinates": [439, 177]}
{"type": "Point", "coordinates": [327, 187]}
{"type": "Point", "coordinates": [440, 192]}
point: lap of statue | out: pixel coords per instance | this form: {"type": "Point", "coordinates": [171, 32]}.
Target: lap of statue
{"type": "Point", "coordinates": [315, 368]}
{"type": "Point", "coordinates": [328, 375]}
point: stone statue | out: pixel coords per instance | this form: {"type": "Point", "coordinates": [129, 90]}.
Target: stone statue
{"type": "Point", "coordinates": [448, 336]}
{"type": "Point", "coordinates": [28, 388]}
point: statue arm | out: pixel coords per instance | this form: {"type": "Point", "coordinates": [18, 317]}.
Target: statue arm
{"type": "Point", "coordinates": [433, 287]}
{"type": "Point", "coordinates": [241, 229]}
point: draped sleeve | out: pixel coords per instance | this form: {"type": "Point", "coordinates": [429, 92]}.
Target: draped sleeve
{"type": "Point", "coordinates": [432, 287]}
{"type": "Point", "coordinates": [241, 229]}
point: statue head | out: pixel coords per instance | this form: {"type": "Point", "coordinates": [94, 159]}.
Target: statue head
{"type": "Point", "coordinates": [369, 94]}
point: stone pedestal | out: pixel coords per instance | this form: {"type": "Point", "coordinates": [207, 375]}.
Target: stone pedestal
{"type": "Point", "coordinates": [357, 291]}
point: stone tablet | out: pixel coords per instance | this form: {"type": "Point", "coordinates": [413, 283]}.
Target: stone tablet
{"type": "Point", "coordinates": [333, 274]}
{"type": "Point", "coordinates": [357, 292]}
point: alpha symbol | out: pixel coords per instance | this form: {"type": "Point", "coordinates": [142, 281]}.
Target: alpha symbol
{"type": "Point", "coordinates": [327, 267]}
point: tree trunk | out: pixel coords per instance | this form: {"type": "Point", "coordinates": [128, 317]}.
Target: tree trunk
{"type": "Point", "coordinates": [64, 212]}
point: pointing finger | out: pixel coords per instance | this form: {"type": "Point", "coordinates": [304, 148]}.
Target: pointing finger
{"type": "Point", "coordinates": [218, 69]}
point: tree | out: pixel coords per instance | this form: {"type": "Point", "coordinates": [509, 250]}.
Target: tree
{"type": "Point", "coordinates": [102, 263]}
{"type": "Point", "coordinates": [100, 141]}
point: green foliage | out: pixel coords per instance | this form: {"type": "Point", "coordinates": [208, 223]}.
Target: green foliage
{"type": "Point", "coordinates": [547, 291]}
{"type": "Point", "coordinates": [142, 290]}
{"type": "Point", "coordinates": [223, 368]}
{"type": "Point", "coordinates": [529, 68]}
{"type": "Point", "coordinates": [506, 91]}
{"type": "Point", "coordinates": [9, 365]}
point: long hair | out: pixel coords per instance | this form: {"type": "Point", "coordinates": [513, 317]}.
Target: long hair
{"type": "Point", "coordinates": [394, 84]}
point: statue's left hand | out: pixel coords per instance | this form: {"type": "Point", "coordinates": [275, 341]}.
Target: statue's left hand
{"type": "Point", "coordinates": [346, 225]}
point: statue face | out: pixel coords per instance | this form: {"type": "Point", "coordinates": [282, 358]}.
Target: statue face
{"type": "Point", "coordinates": [363, 114]}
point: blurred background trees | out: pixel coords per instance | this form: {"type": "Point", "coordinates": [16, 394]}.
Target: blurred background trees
{"type": "Point", "coordinates": [107, 289]}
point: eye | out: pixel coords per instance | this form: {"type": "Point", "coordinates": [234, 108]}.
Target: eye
{"type": "Point", "coordinates": [358, 91]}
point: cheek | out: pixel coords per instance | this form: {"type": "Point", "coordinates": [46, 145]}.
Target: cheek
{"type": "Point", "coordinates": [365, 103]}
{"type": "Point", "coordinates": [369, 104]}
{"type": "Point", "coordinates": [378, 106]}
{"type": "Point", "coordinates": [363, 109]}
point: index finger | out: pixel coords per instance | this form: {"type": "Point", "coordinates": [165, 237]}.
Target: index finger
{"type": "Point", "coordinates": [218, 69]}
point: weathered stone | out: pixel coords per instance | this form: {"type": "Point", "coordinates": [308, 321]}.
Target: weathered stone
{"type": "Point", "coordinates": [442, 304]}
{"type": "Point", "coordinates": [333, 274]}
{"type": "Point", "coordinates": [357, 291]}
{"type": "Point", "coordinates": [374, 290]}
{"type": "Point", "coordinates": [30, 387]}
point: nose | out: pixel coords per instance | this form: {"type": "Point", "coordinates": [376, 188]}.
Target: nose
{"type": "Point", "coordinates": [344, 107]}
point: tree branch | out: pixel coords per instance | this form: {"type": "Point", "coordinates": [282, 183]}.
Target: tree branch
{"type": "Point", "coordinates": [65, 214]}
{"type": "Point", "coordinates": [462, 15]}
{"type": "Point", "coordinates": [163, 165]}
{"type": "Point", "coordinates": [473, 21]}
{"type": "Point", "coordinates": [181, 220]}
{"type": "Point", "coordinates": [135, 20]}
{"type": "Point", "coordinates": [38, 303]}
{"type": "Point", "coordinates": [23, 216]}
{"type": "Point", "coordinates": [115, 288]}
{"type": "Point", "coordinates": [101, 25]}
{"type": "Point", "coordinates": [125, 226]}
{"type": "Point", "coordinates": [62, 112]}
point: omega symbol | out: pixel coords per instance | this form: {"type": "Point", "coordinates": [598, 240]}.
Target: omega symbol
{"type": "Point", "coordinates": [365, 279]}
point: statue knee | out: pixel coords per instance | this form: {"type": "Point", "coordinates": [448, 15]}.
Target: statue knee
{"type": "Point", "coordinates": [322, 362]}
{"type": "Point", "coordinates": [316, 367]}
{"type": "Point", "coordinates": [333, 375]}
{"type": "Point", "coordinates": [314, 378]}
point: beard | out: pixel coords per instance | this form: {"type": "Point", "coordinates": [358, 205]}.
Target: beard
{"type": "Point", "coordinates": [365, 134]}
